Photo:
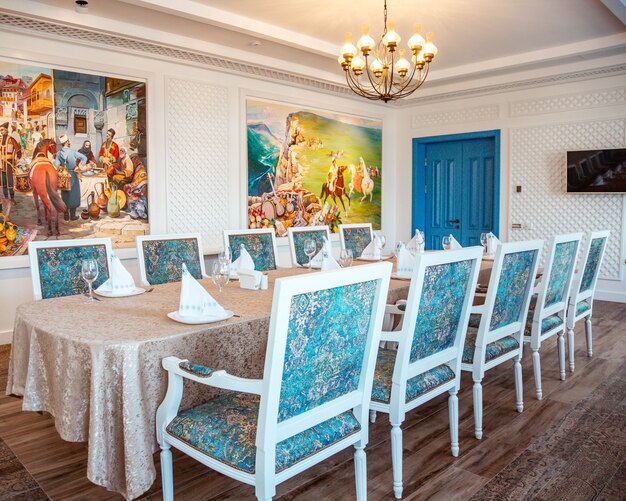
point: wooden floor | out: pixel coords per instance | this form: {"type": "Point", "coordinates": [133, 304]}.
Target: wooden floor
{"type": "Point", "coordinates": [570, 446]}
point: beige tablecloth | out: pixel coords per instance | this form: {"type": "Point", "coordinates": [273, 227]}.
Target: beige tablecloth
{"type": "Point", "coordinates": [97, 367]}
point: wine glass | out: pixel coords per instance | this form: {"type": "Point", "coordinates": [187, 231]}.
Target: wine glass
{"type": "Point", "coordinates": [225, 256]}
{"type": "Point", "coordinates": [445, 242]}
{"type": "Point", "coordinates": [345, 258]}
{"type": "Point", "coordinates": [420, 239]}
{"type": "Point", "coordinates": [483, 240]}
{"type": "Point", "coordinates": [220, 275]}
{"type": "Point", "coordinates": [396, 249]}
{"type": "Point", "coordinates": [89, 272]}
{"type": "Point", "coordinates": [309, 249]}
{"type": "Point", "coordinates": [382, 241]}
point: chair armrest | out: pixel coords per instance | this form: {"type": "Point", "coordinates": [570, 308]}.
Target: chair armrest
{"type": "Point", "coordinates": [204, 375]}
{"type": "Point", "coordinates": [390, 336]}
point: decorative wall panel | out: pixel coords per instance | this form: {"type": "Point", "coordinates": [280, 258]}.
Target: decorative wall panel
{"type": "Point", "coordinates": [477, 114]}
{"type": "Point", "coordinates": [538, 164]}
{"type": "Point", "coordinates": [583, 100]}
{"type": "Point", "coordinates": [197, 159]}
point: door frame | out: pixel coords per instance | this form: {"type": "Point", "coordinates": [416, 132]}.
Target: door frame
{"type": "Point", "coordinates": [418, 216]}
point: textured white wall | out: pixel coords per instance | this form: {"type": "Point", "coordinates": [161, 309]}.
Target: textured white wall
{"type": "Point", "coordinates": [538, 126]}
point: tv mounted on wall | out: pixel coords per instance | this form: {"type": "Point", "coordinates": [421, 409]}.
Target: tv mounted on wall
{"type": "Point", "coordinates": [596, 171]}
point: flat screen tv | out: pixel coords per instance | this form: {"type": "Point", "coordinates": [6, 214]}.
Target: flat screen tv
{"type": "Point", "coordinates": [596, 171]}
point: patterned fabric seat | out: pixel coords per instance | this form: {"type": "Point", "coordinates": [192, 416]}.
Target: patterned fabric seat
{"type": "Point", "coordinates": [547, 324]}
{"type": "Point", "coordinates": [494, 350]}
{"type": "Point", "coordinates": [582, 307]}
{"type": "Point", "coordinates": [225, 428]}
{"type": "Point", "coordinates": [423, 383]}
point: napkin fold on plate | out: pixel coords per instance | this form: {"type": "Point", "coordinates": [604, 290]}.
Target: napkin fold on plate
{"type": "Point", "coordinates": [328, 261]}
{"type": "Point", "coordinates": [406, 261]}
{"type": "Point", "coordinates": [120, 280]}
{"type": "Point", "coordinates": [243, 262]}
{"type": "Point", "coordinates": [373, 250]}
{"type": "Point", "coordinates": [492, 243]}
{"type": "Point", "coordinates": [195, 301]}
{"type": "Point", "coordinates": [454, 244]}
{"type": "Point", "coordinates": [414, 247]}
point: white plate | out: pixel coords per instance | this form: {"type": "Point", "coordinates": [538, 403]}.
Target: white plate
{"type": "Point", "coordinates": [198, 320]}
{"type": "Point", "coordinates": [400, 277]}
{"type": "Point", "coordinates": [382, 258]}
{"type": "Point", "coordinates": [136, 292]}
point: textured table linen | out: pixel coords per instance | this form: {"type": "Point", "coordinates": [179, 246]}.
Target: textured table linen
{"type": "Point", "coordinates": [97, 367]}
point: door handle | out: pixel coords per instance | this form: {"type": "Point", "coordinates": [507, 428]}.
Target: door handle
{"type": "Point", "coordinates": [454, 221]}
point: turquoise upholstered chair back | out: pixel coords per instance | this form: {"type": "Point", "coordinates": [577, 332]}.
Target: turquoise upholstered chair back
{"type": "Point", "coordinates": [325, 348]}
{"type": "Point", "coordinates": [441, 306]}
{"type": "Point", "coordinates": [60, 269]}
{"type": "Point", "coordinates": [562, 268]}
{"type": "Point", "coordinates": [163, 259]}
{"type": "Point", "coordinates": [516, 278]}
{"type": "Point", "coordinates": [592, 266]}
{"type": "Point", "coordinates": [299, 237]}
{"type": "Point", "coordinates": [260, 246]}
{"type": "Point", "coordinates": [356, 239]}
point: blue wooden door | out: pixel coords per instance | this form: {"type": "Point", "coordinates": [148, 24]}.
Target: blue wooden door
{"type": "Point", "coordinates": [459, 190]}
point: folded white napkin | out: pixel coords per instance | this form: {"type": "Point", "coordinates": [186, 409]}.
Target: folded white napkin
{"type": "Point", "coordinates": [414, 247]}
{"type": "Point", "coordinates": [195, 301]}
{"type": "Point", "coordinates": [454, 244]}
{"type": "Point", "coordinates": [328, 261]}
{"type": "Point", "coordinates": [250, 279]}
{"type": "Point", "coordinates": [243, 262]}
{"type": "Point", "coordinates": [120, 280]}
{"type": "Point", "coordinates": [372, 251]}
{"type": "Point", "coordinates": [492, 243]}
{"type": "Point", "coordinates": [405, 261]}
{"type": "Point", "coordinates": [316, 261]}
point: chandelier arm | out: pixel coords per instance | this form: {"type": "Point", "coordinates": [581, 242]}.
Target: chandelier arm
{"type": "Point", "coordinates": [389, 86]}
{"type": "Point", "coordinates": [355, 86]}
{"type": "Point", "coordinates": [410, 91]}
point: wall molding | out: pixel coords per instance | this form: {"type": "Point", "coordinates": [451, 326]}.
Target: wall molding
{"type": "Point", "coordinates": [477, 114]}
{"type": "Point", "coordinates": [568, 102]}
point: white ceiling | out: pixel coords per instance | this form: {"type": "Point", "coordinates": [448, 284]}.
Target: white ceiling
{"type": "Point", "coordinates": [478, 40]}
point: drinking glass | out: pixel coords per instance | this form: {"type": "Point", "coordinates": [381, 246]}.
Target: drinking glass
{"type": "Point", "coordinates": [483, 240]}
{"type": "Point", "coordinates": [220, 275]}
{"type": "Point", "coordinates": [345, 258]}
{"type": "Point", "coordinates": [396, 249]}
{"type": "Point", "coordinates": [89, 272]}
{"type": "Point", "coordinates": [309, 249]}
{"type": "Point", "coordinates": [225, 256]}
{"type": "Point", "coordinates": [445, 242]}
{"type": "Point", "coordinates": [421, 239]}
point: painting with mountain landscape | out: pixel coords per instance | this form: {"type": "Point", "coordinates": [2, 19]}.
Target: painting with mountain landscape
{"type": "Point", "coordinates": [310, 167]}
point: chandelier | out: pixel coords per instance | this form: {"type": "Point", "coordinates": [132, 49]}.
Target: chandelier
{"type": "Point", "coordinates": [390, 75]}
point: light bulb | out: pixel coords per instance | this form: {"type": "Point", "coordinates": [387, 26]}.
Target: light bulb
{"type": "Point", "coordinates": [418, 60]}
{"type": "Point", "coordinates": [376, 67]}
{"type": "Point", "coordinates": [429, 49]}
{"type": "Point", "coordinates": [402, 66]}
{"type": "Point", "coordinates": [416, 42]}
{"type": "Point", "coordinates": [391, 38]}
{"type": "Point", "coordinates": [357, 65]}
{"type": "Point", "coordinates": [348, 50]}
{"type": "Point", "coordinates": [366, 43]}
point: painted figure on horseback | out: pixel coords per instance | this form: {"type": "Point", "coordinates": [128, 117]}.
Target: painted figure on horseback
{"type": "Point", "coordinates": [337, 188]}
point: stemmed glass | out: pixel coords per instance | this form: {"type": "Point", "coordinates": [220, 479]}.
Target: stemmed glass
{"type": "Point", "coordinates": [225, 256]}
{"type": "Point", "coordinates": [220, 274]}
{"type": "Point", "coordinates": [382, 241]}
{"type": "Point", "coordinates": [420, 239]}
{"type": "Point", "coordinates": [445, 242]}
{"type": "Point", "coordinates": [89, 272]}
{"type": "Point", "coordinates": [309, 249]}
{"type": "Point", "coordinates": [396, 249]}
{"type": "Point", "coordinates": [345, 258]}
{"type": "Point", "coordinates": [483, 240]}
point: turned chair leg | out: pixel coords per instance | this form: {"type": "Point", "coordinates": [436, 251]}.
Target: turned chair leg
{"type": "Point", "coordinates": [519, 389]}
{"type": "Point", "coordinates": [537, 371]}
{"type": "Point", "coordinates": [396, 459]}
{"type": "Point", "coordinates": [588, 334]}
{"type": "Point", "coordinates": [360, 471]}
{"type": "Point", "coordinates": [478, 409]}
{"type": "Point", "coordinates": [372, 416]}
{"type": "Point", "coordinates": [570, 348]}
{"type": "Point", "coordinates": [453, 412]}
{"type": "Point", "coordinates": [167, 475]}
{"type": "Point", "coordinates": [561, 353]}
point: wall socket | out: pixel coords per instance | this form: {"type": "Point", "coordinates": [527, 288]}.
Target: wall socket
{"type": "Point", "coordinates": [520, 226]}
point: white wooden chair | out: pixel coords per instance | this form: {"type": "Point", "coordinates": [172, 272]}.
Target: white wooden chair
{"type": "Point", "coordinates": [583, 290]}
{"type": "Point", "coordinates": [297, 237]}
{"type": "Point", "coordinates": [355, 237]}
{"type": "Point", "coordinates": [55, 265]}
{"type": "Point", "coordinates": [313, 400]}
{"type": "Point", "coordinates": [427, 362]}
{"type": "Point", "coordinates": [161, 257]}
{"type": "Point", "coordinates": [260, 244]}
{"type": "Point", "coordinates": [497, 327]}
{"type": "Point", "coordinates": [546, 316]}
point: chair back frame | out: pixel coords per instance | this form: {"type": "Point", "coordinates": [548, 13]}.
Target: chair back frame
{"type": "Point", "coordinates": [46, 244]}
{"type": "Point", "coordinates": [269, 430]}
{"type": "Point", "coordinates": [260, 231]}
{"type": "Point", "coordinates": [404, 369]}
{"type": "Point", "coordinates": [343, 227]}
{"type": "Point", "coordinates": [292, 244]}
{"type": "Point", "coordinates": [516, 328]}
{"type": "Point", "coordinates": [139, 240]}
{"type": "Point", "coordinates": [559, 307]}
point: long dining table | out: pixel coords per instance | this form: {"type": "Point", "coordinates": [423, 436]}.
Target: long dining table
{"type": "Point", "coordinates": [96, 368]}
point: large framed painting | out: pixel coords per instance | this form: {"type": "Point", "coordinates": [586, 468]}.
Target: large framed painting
{"type": "Point", "coordinates": [73, 157]}
{"type": "Point", "coordinates": [310, 167]}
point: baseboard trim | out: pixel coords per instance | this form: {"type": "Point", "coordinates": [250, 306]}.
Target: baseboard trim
{"type": "Point", "coordinates": [6, 337]}
{"type": "Point", "coordinates": [614, 297]}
